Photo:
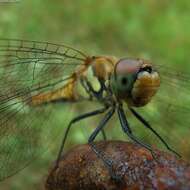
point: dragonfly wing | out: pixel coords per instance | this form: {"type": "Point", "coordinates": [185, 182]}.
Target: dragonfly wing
{"type": "Point", "coordinates": [28, 68]}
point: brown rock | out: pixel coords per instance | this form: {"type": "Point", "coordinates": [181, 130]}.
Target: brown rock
{"type": "Point", "coordinates": [80, 169]}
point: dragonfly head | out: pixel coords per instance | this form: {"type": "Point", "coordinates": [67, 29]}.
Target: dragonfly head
{"type": "Point", "coordinates": [135, 81]}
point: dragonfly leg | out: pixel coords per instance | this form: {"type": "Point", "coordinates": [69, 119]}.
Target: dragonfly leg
{"type": "Point", "coordinates": [126, 128]}
{"type": "Point", "coordinates": [147, 125]}
{"type": "Point", "coordinates": [107, 161]}
{"type": "Point", "coordinates": [103, 134]}
{"type": "Point", "coordinates": [74, 120]}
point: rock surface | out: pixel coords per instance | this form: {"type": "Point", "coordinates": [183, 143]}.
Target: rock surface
{"type": "Point", "coordinates": [81, 169]}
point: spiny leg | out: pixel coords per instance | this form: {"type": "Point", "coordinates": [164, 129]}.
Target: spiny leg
{"type": "Point", "coordinates": [126, 128]}
{"type": "Point", "coordinates": [74, 120]}
{"type": "Point", "coordinates": [102, 124]}
{"type": "Point", "coordinates": [103, 134]}
{"type": "Point", "coordinates": [146, 124]}
{"type": "Point", "coordinates": [98, 94]}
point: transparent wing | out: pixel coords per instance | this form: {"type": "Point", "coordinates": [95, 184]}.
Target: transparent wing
{"type": "Point", "coordinates": [169, 110]}
{"type": "Point", "coordinates": [27, 68]}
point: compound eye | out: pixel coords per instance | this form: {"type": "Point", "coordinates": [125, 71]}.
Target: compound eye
{"type": "Point", "coordinates": [124, 81]}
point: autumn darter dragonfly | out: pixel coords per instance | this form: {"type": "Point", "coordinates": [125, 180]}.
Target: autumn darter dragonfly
{"type": "Point", "coordinates": [36, 76]}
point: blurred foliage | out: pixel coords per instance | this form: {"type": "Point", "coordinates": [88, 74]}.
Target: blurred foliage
{"type": "Point", "coordinates": [158, 30]}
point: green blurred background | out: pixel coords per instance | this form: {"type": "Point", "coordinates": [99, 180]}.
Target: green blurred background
{"type": "Point", "coordinates": [158, 30]}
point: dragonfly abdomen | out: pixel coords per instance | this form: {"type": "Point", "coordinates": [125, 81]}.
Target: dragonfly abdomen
{"type": "Point", "coordinates": [66, 93]}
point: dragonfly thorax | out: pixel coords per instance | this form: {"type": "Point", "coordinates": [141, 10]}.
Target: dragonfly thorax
{"type": "Point", "coordinates": [135, 81]}
{"type": "Point", "coordinates": [103, 66]}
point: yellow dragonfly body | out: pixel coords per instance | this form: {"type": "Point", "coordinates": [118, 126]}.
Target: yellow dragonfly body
{"type": "Point", "coordinates": [102, 68]}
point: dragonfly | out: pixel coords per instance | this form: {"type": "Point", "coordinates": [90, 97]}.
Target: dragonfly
{"type": "Point", "coordinates": [35, 77]}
